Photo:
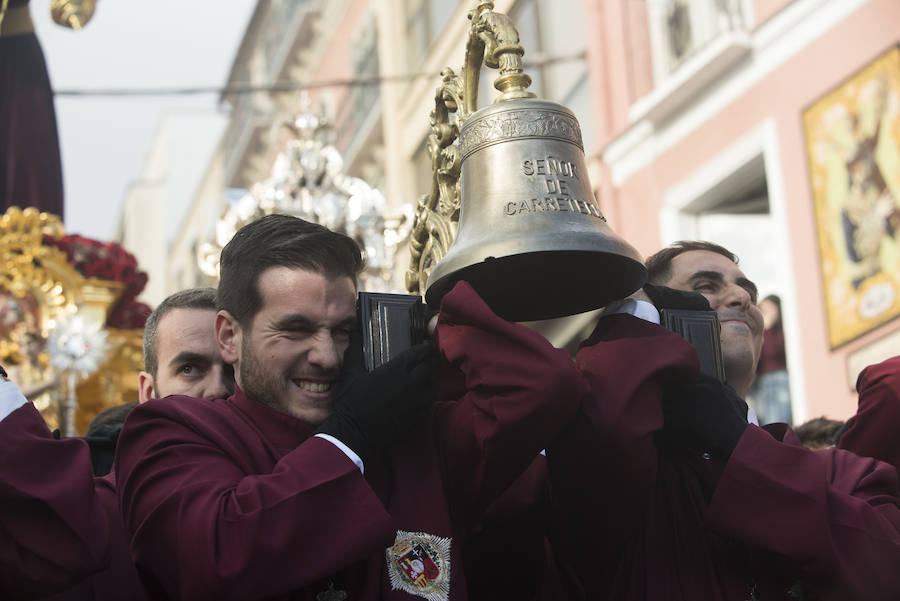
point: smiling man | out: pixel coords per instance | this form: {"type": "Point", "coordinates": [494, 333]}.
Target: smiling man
{"type": "Point", "coordinates": [712, 271]}
{"type": "Point", "coordinates": [290, 357]}
{"type": "Point", "coordinates": [693, 502]}
{"type": "Point", "coordinates": [308, 483]}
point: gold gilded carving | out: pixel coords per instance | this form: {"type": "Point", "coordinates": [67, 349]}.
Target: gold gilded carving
{"type": "Point", "coordinates": [116, 382]}
{"type": "Point", "coordinates": [493, 41]}
{"type": "Point", "coordinates": [39, 288]}
{"type": "Point", "coordinates": [98, 297]}
{"type": "Point", "coordinates": [437, 212]}
{"type": "Point", "coordinates": [32, 270]}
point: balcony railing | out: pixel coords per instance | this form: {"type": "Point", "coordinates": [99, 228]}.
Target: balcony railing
{"type": "Point", "coordinates": [693, 43]}
{"type": "Point", "coordinates": [680, 29]}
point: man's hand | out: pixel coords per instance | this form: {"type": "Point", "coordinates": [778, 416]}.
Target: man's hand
{"type": "Point", "coordinates": [373, 410]}
{"type": "Point", "coordinates": [706, 414]}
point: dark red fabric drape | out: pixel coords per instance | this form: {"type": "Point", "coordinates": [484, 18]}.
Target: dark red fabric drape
{"type": "Point", "coordinates": [30, 166]}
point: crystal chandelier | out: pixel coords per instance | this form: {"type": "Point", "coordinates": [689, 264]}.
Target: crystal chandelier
{"type": "Point", "coordinates": [307, 181]}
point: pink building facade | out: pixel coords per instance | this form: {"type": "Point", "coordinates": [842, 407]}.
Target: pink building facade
{"type": "Point", "coordinates": [713, 120]}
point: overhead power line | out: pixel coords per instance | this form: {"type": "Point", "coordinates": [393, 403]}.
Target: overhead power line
{"type": "Point", "coordinates": [286, 86]}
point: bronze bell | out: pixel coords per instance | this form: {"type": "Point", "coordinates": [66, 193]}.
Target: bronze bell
{"type": "Point", "coordinates": [531, 240]}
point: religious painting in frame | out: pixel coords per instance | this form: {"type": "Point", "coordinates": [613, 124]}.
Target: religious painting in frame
{"type": "Point", "coordinates": [853, 148]}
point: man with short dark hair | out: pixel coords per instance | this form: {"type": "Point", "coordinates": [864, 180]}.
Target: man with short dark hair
{"type": "Point", "coordinates": [180, 355]}
{"type": "Point", "coordinates": [712, 270]}
{"type": "Point", "coordinates": [819, 433]}
{"type": "Point", "coordinates": [691, 501]}
{"type": "Point", "coordinates": [310, 482]}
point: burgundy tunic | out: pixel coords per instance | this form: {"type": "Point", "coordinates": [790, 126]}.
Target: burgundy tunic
{"type": "Point", "coordinates": [53, 528]}
{"type": "Point", "coordinates": [119, 581]}
{"type": "Point", "coordinates": [510, 555]}
{"type": "Point", "coordinates": [646, 518]}
{"type": "Point", "coordinates": [875, 430]}
{"type": "Point", "coordinates": [231, 499]}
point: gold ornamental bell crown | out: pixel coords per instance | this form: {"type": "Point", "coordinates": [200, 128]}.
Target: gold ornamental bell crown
{"type": "Point", "coordinates": [513, 196]}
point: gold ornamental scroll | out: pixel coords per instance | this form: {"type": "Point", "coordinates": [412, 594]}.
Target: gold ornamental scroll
{"type": "Point", "coordinates": [39, 289]}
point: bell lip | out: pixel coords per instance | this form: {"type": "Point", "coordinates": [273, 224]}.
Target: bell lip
{"type": "Point", "coordinates": [558, 294]}
{"type": "Point", "coordinates": [460, 257]}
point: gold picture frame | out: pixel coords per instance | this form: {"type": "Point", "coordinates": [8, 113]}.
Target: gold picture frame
{"type": "Point", "coordinates": [853, 147]}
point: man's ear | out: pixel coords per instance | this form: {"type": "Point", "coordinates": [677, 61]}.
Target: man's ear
{"type": "Point", "coordinates": [228, 336]}
{"type": "Point", "coordinates": [145, 387]}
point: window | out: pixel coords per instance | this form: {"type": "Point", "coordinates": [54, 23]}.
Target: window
{"type": "Point", "coordinates": [680, 28]}
{"type": "Point", "coordinates": [546, 32]}
{"type": "Point", "coordinates": [361, 100]}
{"type": "Point", "coordinates": [425, 20]}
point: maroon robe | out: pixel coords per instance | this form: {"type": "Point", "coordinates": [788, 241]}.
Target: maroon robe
{"type": "Point", "coordinates": [509, 554]}
{"type": "Point", "coordinates": [53, 528]}
{"type": "Point", "coordinates": [119, 581]}
{"type": "Point", "coordinates": [643, 517]}
{"type": "Point", "coordinates": [231, 499]}
{"type": "Point", "coordinates": [875, 430]}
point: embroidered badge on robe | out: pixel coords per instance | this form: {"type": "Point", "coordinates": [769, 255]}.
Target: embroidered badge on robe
{"type": "Point", "coordinates": [419, 564]}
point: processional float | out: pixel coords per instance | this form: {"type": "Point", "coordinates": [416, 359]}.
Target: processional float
{"type": "Point", "coordinates": [70, 325]}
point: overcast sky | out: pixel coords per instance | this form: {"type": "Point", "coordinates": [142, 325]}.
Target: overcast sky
{"type": "Point", "coordinates": [129, 44]}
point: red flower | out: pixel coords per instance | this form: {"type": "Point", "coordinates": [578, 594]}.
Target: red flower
{"type": "Point", "coordinates": [108, 261]}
